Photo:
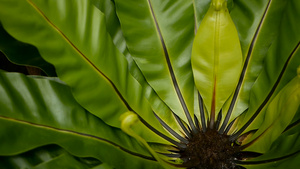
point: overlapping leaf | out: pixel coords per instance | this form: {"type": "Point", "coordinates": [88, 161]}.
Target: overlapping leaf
{"type": "Point", "coordinates": [22, 53]}
{"type": "Point", "coordinates": [45, 157]}
{"type": "Point", "coordinates": [284, 152]}
{"type": "Point", "coordinates": [279, 67]}
{"type": "Point", "coordinates": [114, 29]}
{"type": "Point", "coordinates": [88, 48]}
{"type": "Point", "coordinates": [278, 116]}
{"type": "Point", "coordinates": [159, 37]}
{"type": "Point", "coordinates": [89, 63]}
{"type": "Point", "coordinates": [257, 23]}
{"type": "Point", "coordinates": [41, 111]}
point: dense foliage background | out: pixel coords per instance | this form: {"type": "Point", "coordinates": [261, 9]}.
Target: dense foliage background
{"type": "Point", "coordinates": [103, 58]}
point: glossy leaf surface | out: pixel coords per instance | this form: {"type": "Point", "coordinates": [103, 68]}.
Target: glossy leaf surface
{"type": "Point", "coordinates": [280, 66]}
{"type": "Point", "coordinates": [287, 145]}
{"type": "Point", "coordinates": [279, 114]}
{"type": "Point", "coordinates": [257, 23]}
{"type": "Point", "coordinates": [216, 57]}
{"type": "Point", "coordinates": [50, 156]}
{"type": "Point", "coordinates": [45, 110]}
{"type": "Point", "coordinates": [154, 32]}
{"type": "Point", "coordinates": [105, 69]}
{"type": "Point", "coordinates": [135, 56]}
{"type": "Point", "coordinates": [114, 29]}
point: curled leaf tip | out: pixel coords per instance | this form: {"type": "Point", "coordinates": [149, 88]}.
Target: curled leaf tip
{"type": "Point", "coordinates": [128, 119]}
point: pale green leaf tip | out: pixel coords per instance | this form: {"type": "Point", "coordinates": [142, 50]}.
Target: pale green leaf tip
{"type": "Point", "coordinates": [219, 4]}
{"type": "Point", "coordinates": [298, 71]}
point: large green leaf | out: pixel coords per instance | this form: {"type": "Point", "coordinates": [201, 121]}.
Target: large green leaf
{"type": "Point", "coordinates": [284, 152]}
{"type": "Point", "coordinates": [159, 37]}
{"type": "Point", "coordinates": [50, 156]}
{"type": "Point", "coordinates": [41, 159]}
{"type": "Point", "coordinates": [114, 29]}
{"type": "Point", "coordinates": [280, 67]}
{"type": "Point", "coordinates": [216, 58]}
{"type": "Point", "coordinates": [72, 45]}
{"type": "Point", "coordinates": [89, 63]}
{"type": "Point", "coordinates": [42, 111]}
{"type": "Point", "coordinates": [291, 162]}
{"type": "Point", "coordinates": [278, 116]}
{"type": "Point", "coordinates": [257, 23]}
{"type": "Point", "coordinates": [31, 158]}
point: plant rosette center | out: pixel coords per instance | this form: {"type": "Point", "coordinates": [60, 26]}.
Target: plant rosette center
{"type": "Point", "coordinates": [209, 150]}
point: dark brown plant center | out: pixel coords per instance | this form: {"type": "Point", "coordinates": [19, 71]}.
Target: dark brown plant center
{"type": "Point", "coordinates": [209, 150]}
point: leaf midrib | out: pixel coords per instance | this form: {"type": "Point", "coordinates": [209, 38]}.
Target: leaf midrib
{"type": "Point", "coordinates": [170, 68]}
{"type": "Point", "coordinates": [245, 68]}
{"type": "Point", "coordinates": [76, 133]}
{"type": "Point", "coordinates": [270, 94]}
{"type": "Point", "coordinates": [80, 53]}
